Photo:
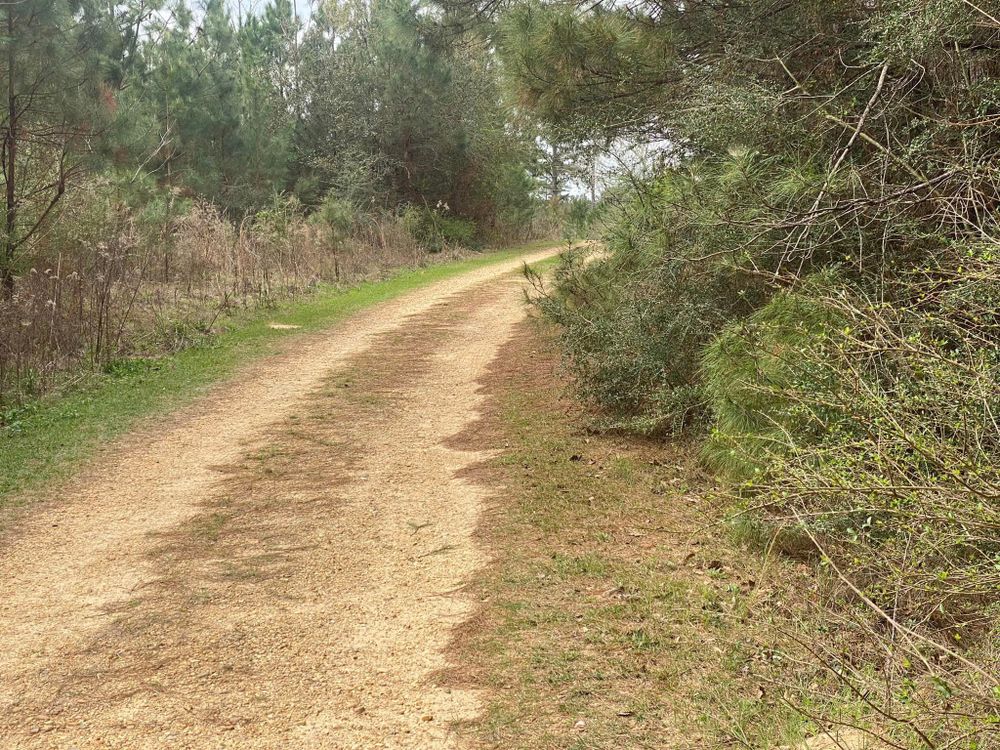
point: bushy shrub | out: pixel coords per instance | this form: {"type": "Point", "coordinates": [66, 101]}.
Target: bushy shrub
{"type": "Point", "coordinates": [635, 322]}
{"type": "Point", "coordinates": [279, 218]}
{"type": "Point", "coordinates": [893, 440]}
{"type": "Point", "coordinates": [435, 230]}
{"type": "Point", "coordinates": [750, 365]}
{"type": "Point", "coordinates": [869, 423]}
{"type": "Point", "coordinates": [337, 215]}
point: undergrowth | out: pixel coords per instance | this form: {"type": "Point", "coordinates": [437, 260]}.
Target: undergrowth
{"type": "Point", "coordinates": [805, 276]}
{"type": "Point", "coordinates": [639, 620]}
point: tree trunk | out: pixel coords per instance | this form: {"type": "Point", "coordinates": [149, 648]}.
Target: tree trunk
{"type": "Point", "coordinates": [10, 150]}
{"type": "Point", "coordinates": [555, 178]}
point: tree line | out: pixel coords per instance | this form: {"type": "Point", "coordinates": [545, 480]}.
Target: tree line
{"type": "Point", "coordinates": [363, 106]}
{"type": "Point", "coordinates": [163, 162]}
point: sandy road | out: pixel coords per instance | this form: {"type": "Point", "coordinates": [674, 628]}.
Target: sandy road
{"type": "Point", "coordinates": [277, 566]}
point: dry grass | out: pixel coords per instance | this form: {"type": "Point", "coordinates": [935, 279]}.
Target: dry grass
{"type": "Point", "coordinates": [617, 612]}
{"type": "Point", "coordinates": [104, 286]}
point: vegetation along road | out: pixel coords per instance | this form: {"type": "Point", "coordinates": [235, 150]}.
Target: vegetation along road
{"type": "Point", "coordinates": [280, 564]}
{"type": "Point", "coordinates": [288, 458]}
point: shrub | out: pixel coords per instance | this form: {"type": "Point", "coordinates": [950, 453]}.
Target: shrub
{"type": "Point", "coordinates": [337, 215]}
{"type": "Point", "coordinates": [749, 367]}
{"type": "Point", "coordinates": [634, 323]}
{"type": "Point", "coordinates": [435, 230]}
{"type": "Point", "coordinates": [868, 423]}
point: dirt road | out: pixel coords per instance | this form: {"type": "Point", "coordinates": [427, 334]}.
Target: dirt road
{"type": "Point", "coordinates": [280, 564]}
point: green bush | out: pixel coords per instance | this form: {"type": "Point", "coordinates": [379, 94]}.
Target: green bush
{"type": "Point", "coordinates": [580, 219]}
{"type": "Point", "coordinates": [435, 230]}
{"type": "Point", "coordinates": [868, 424]}
{"type": "Point", "coordinates": [276, 219]}
{"type": "Point", "coordinates": [878, 427]}
{"type": "Point", "coordinates": [337, 215]}
{"type": "Point", "coordinates": [752, 364]}
{"type": "Point", "coordinates": [634, 323]}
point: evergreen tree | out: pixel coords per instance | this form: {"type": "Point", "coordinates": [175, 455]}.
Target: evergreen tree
{"type": "Point", "coordinates": [57, 92]}
{"type": "Point", "coordinates": [403, 109]}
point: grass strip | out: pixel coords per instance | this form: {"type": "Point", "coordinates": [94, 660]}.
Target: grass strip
{"type": "Point", "coordinates": [638, 622]}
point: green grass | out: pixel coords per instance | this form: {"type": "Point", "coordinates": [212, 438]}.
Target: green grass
{"type": "Point", "coordinates": [46, 439]}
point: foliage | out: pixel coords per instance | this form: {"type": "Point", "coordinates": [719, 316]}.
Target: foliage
{"type": "Point", "coordinates": [871, 428]}
{"type": "Point", "coordinates": [581, 219]}
{"type": "Point", "coordinates": [401, 111]}
{"type": "Point", "coordinates": [751, 363]}
{"type": "Point", "coordinates": [380, 105]}
{"type": "Point", "coordinates": [435, 229]}
{"type": "Point", "coordinates": [337, 215]}
{"type": "Point", "coordinates": [57, 96]}
{"type": "Point", "coordinates": [635, 324]}
{"type": "Point", "coordinates": [162, 162]}
{"type": "Point", "coordinates": [812, 257]}
{"type": "Point", "coordinates": [123, 282]}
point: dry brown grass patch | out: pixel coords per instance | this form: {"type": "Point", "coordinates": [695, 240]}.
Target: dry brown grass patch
{"type": "Point", "coordinates": [617, 611]}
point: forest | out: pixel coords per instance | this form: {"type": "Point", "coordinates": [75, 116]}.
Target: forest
{"type": "Point", "coordinates": [163, 162]}
{"type": "Point", "coordinates": [793, 204]}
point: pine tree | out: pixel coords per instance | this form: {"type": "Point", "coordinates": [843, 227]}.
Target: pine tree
{"type": "Point", "coordinates": [56, 93]}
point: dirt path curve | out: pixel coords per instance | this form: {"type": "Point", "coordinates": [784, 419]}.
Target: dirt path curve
{"type": "Point", "coordinates": [277, 566]}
